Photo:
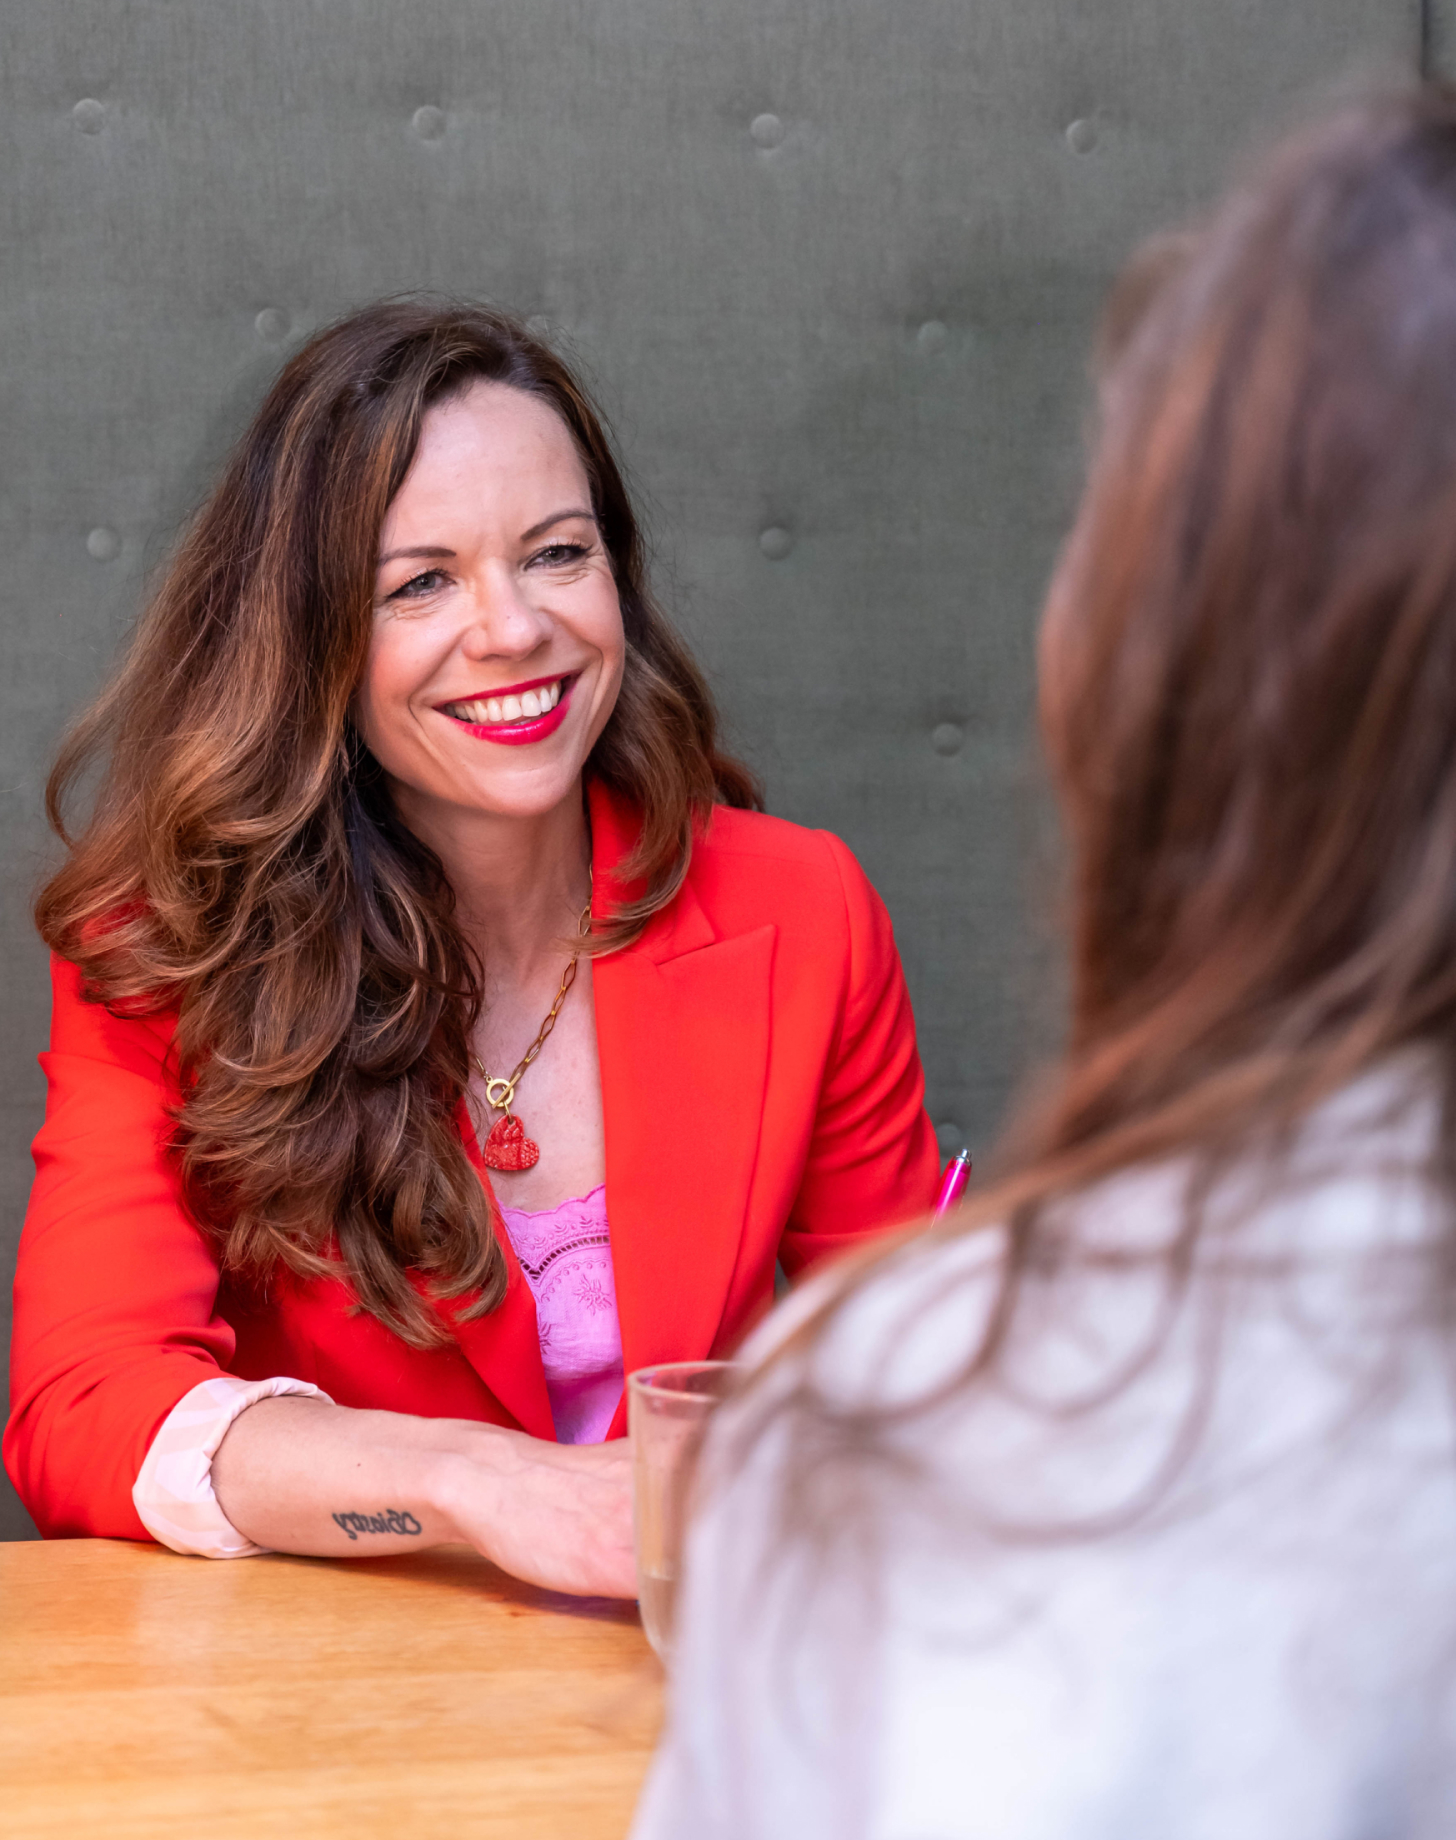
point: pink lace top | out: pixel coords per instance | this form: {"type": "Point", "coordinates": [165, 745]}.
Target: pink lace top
{"type": "Point", "coordinates": [566, 1256]}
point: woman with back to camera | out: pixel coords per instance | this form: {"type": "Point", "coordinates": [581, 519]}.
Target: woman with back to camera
{"type": "Point", "coordinates": [416, 860]}
{"type": "Point", "coordinates": [1135, 1514]}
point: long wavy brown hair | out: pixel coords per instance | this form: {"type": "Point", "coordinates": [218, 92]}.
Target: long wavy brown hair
{"type": "Point", "coordinates": [242, 865]}
{"type": "Point", "coordinates": [1248, 700]}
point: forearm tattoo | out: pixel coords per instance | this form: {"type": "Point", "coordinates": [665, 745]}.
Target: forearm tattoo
{"type": "Point", "coordinates": [391, 1521]}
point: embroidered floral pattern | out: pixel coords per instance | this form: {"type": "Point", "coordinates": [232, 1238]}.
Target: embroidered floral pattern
{"type": "Point", "coordinates": [565, 1255]}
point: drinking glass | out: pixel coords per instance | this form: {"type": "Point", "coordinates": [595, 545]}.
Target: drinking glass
{"type": "Point", "coordinates": [668, 1408]}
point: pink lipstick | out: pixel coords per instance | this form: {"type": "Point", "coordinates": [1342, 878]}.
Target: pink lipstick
{"type": "Point", "coordinates": [521, 731]}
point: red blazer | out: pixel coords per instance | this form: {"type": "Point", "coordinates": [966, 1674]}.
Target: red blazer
{"type": "Point", "coordinates": [763, 1099]}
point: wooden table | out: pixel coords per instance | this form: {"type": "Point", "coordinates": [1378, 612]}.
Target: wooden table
{"type": "Point", "coordinates": [145, 1694]}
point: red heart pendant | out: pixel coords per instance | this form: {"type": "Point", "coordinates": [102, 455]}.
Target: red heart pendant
{"type": "Point", "coordinates": [508, 1147]}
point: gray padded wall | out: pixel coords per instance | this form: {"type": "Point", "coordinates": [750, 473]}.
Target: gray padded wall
{"type": "Point", "coordinates": [832, 264]}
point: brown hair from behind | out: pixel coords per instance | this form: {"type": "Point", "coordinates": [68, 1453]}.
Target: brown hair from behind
{"type": "Point", "coordinates": [1248, 699]}
{"type": "Point", "coordinates": [242, 865]}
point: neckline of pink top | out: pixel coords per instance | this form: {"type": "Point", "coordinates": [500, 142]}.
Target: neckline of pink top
{"type": "Point", "coordinates": [565, 1255]}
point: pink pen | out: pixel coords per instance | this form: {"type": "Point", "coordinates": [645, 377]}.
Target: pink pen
{"type": "Point", "coordinates": [953, 1183]}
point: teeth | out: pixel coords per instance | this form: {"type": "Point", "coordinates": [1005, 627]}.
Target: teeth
{"type": "Point", "coordinates": [493, 710]}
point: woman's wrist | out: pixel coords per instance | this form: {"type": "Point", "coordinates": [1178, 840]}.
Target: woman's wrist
{"type": "Point", "coordinates": [459, 1480]}
{"type": "Point", "coordinates": [558, 1516]}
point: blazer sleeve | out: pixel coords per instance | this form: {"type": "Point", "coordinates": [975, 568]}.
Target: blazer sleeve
{"type": "Point", "coordinates": [116, 1287]}
{"type": "Point", "coordinates": [873, 1160]}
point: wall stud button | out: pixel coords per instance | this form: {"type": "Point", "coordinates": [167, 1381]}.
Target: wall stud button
{"type": "Point", "coordinates": [767, 130]}
{"type": "Point", "coordinates": [950, 1137]}
{"type": "Point", "coordinates": [775, 542]}
{"type": "Point", "coordinates": [89, 115]}
{"type": "Point", "coordinates": [931, 337]}
{"type": "Point", "coordinates": [1082, 136]}
{"type": "Point", "coordinates": [948, 738]}
{"type": "Point", "coordinates": [428, 122]}
{"type": "Point", "coordinates": [271, 325]}
{"type": "Point", "coordinates": [104, 545]}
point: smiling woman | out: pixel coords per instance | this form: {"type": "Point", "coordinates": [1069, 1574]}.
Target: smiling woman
{"type": "Point", "coordinates": [415, 828]}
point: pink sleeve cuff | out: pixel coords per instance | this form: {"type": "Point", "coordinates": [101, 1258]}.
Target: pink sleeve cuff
{"type": "Point", "coordinates": [173, 1490]}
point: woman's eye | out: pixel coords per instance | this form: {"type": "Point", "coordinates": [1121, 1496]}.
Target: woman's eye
{"type": "Point", "coordinates": [555, 554]}
{"type": "Point", "coordinates": [418, 585]}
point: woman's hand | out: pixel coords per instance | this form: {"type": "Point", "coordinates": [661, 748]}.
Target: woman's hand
{"type": "Point", "coordinates": [301, 1476]}
{"type": "Point", "coordinates": [557, 1515]}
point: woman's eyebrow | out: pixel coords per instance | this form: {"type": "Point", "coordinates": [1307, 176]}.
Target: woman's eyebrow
{"type": "Point", "coordinates": [441, 554]}
{"type": "Point", "coordinates": [558, 517]}
{"type": "Point", "coordinates": [395, 554]}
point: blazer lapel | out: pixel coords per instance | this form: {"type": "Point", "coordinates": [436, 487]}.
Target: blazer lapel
{"type": "Point", "coordinates": [683, 1038]}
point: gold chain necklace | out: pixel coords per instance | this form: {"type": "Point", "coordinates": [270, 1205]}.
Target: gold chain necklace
{"type": "Point", "coordinates": [507, 1145]}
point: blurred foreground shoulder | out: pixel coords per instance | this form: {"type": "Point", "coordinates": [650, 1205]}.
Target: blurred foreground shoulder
{"type": "Point", "coordinates": [915, 1580]}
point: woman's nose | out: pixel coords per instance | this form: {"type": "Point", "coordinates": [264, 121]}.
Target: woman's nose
{"type": "Point", "coordinates": [505, 621]}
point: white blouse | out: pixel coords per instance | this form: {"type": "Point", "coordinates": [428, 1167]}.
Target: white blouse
{"type": "Point", "coordinates": [1269, 1654]}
